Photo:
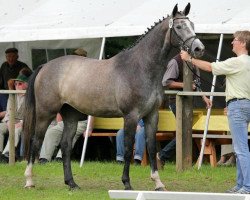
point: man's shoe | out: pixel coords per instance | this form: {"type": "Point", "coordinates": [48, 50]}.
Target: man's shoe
{"type": "Point", "coordinates": [159, 162]}
{"type": "Point", "coordinates": [222, 161]}
{"type": "Point", "coordinates": [242, 191]}
{"type": "Point", "coordinates": [137, 162]}
{"type": "Point", "coordinates": [4, 159]}
{"type": "Point", "coordinates": [233, 190]}
{"type": "Point", "coordinates": [230, 162]}
{"type": "Point", "coordinates": [119, 162]}
{"type": "Point", "coordinates": [43, 161]}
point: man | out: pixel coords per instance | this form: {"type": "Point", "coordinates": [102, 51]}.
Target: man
{"type": "Point", "coordinates": [237, 71]}
{"type": "Point", "coordinates": [53, 137]}
{"type": "Point", "coordinates": [20, 83]}
{"type": "Point", "coordinates": [10, 68]}
{"type": "Point", "coordinates": [173, 79]}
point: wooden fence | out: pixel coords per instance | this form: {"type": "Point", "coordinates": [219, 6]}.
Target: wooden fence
{"type": "Point", "coordinates": [183, 113]}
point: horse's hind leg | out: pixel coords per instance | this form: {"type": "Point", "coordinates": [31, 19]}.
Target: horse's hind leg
{"type": "Point", "coordinates": [129, 138]}
{"type": "Point", "coordinates": [151, 122]}
{"type": "Point", "coordinates": [36, 143]}
{"type": "Point", "coordinates": [70, 118]}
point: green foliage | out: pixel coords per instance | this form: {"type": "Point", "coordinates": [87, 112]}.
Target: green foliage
{"type": "Point", "coordinates": [115, 45]}
{"type": "Point", "coordinates": [96, 178]}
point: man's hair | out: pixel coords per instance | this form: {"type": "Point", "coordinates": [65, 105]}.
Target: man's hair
{"type": "Point", "coordinates": [244, 36]}
{"type": "Point", "coordinates": [11, 50]}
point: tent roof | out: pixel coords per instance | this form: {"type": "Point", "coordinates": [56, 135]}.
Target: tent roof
{"type": "Point", "coordinates": [30, 20]}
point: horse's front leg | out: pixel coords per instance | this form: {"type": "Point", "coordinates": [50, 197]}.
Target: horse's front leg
{"type": "Point", "coordinates": [66, 146]}
{"type": "Point", "coordinates": [129, 138]}
{"type": "Point", "coordinates": [151, 122]}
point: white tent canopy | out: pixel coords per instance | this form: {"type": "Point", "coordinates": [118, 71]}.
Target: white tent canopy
{"type": "Point", "coordinates": [52, 23]}
{"type": "Point", "coordinates": [31, 20]}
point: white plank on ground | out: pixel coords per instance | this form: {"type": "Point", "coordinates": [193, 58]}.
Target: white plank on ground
{"type": "Point", "coordinates": [154, 195]}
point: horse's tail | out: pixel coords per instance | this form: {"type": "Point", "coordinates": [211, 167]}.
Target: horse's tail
{"type": "Point", "coordinates": [29, 118]}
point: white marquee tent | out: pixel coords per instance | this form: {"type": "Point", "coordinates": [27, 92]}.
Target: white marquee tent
{"type": "Point", "coordinates": [57, 22]}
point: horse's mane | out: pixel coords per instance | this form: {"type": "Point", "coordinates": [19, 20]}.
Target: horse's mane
{"type": "Point", "coordinates": [145, 33]}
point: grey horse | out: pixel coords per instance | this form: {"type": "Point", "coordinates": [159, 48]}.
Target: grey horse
{"type": "Point", "coordinates": [127, 85]}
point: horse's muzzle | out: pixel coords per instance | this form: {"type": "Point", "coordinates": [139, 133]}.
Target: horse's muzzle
{"type": "Point", "coordinates": [197, 48]}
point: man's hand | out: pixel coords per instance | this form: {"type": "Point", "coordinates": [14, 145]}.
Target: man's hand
{"type": "Point", "coordinates": [19, 124]}
{"type": "Point", "coordinates": [225, 111]}
{"type": "Point", "coordinates": [207, 101]}
{"type": "Point", "coordinates": [193, 87]}
{"type": "Point", "coordinates": [185, 56]}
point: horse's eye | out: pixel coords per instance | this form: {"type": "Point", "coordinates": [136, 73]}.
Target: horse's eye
{"type": "Point", "coordinates": [178, 26]}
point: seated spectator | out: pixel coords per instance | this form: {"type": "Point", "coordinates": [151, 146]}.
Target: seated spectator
{"type": "Point", "coordinates": [20, 83]}
{"type": "Point", "coordinates": [10, 68]}
{"type": "Point", "coordinates": [139, 144]}
{"type": "Point", "coordinates": [53, 137]}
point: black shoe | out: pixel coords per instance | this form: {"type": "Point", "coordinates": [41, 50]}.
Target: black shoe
{"type": "Point", "coordinates": [43, 161]}
{"type": "Point", "coordinates": [119, 162]}
{"type": "Point", "coordinates": [20, 159]}
{"type": "Point", "coordinates": [137, 162]}
{"type": "Point", "coordinates": [4, 159]}
{"type": "Point", "coordinates": [58, 159]}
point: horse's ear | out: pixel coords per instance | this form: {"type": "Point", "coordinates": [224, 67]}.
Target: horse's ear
{"type": "Point", "coordinates": [187, 9]}
{"type": "Point", "coordinates": [175, 10]}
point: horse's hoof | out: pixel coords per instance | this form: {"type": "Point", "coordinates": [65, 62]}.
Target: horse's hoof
{"type": "Point", "coordinates": [128, 188]}
{"type": "Point", "coordinates": [74, 187]}
{"type": "Point", "coordinates": [161, 189]}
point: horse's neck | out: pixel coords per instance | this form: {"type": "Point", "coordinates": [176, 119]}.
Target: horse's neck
{"type": "Point", "coordinates": [153, 50]}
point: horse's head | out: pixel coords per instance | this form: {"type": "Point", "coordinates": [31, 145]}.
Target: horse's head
{"type": "Point", "coordinates": [182, 33]}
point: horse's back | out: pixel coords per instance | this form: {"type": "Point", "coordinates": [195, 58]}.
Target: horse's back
{"type": "Point", "coordinates": [86, 84]}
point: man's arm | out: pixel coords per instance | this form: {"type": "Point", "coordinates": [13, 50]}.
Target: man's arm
{"type": "Point", "coordinates": [178, 85]}
{"type": "Point", "coordinates": [175, 85]}
{"type": "Point", "coordinates": [207, 101]}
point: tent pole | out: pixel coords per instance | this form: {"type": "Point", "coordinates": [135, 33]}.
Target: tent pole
{"type": "Point", "coordinates": [209, 110]}
{"type": "Point", "coordinates": [47, 55]}
{"type": "Point", "coordinates": [90, 118]}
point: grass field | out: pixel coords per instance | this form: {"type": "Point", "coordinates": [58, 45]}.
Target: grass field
{"type": "Point", "coordinates": [96, 178]}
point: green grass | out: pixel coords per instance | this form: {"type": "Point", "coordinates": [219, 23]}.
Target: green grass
{"type": "Point", "coordinates": [96, 178]}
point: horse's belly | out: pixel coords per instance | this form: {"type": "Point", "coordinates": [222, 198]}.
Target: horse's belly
{"type": "Point", "coordinates": [100, 111]}
{"type": "Point", "coordinates": [98, 107]}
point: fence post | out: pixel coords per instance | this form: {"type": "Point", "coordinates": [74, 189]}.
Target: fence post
{"type": "Point", "coordinates": [12, 129]}
{"type": "Point", "coordinates": [184, 121]}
